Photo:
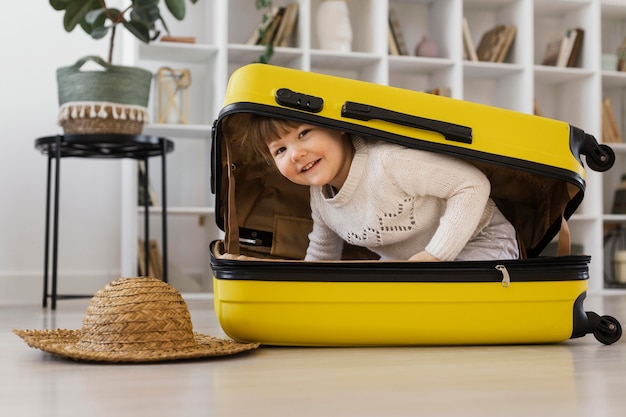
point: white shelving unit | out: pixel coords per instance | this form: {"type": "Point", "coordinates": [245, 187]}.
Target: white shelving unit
{"type": "Point", "coordinates": [222, 27]}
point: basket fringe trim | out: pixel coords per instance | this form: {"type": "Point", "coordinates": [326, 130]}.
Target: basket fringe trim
{"type": "Point", "coordinates": [102, 110]}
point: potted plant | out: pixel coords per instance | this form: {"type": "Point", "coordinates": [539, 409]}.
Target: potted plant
{"type": "Point", "coordinates": [114, 99]}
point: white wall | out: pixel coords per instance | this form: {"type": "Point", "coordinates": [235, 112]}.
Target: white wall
{"type": "Point", "coordinates": [34, 44]}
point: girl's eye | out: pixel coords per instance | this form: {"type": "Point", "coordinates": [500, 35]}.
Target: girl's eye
{"type": "Point", "coordinates": [303, 133]}
{"type": "Point", "coordinates": [279, 150]}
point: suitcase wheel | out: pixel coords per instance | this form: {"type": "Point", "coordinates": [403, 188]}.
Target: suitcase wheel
{"type": "Point", "coordinates": [606, 329]}
{"type": "Point", "coordinates": [601, 158]}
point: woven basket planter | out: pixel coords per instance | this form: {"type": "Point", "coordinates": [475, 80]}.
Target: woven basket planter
{"type": "Point", "coordinates": [112, 100]}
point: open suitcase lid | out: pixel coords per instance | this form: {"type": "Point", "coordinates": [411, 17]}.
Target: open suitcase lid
{"type": "Point", "coordinates": [534, 163]}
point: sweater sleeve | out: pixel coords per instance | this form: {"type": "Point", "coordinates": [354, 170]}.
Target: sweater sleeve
{"type": "Point", "coordinates": [463, 188]}
{"type": "Point", "coordinates": [324, 244]}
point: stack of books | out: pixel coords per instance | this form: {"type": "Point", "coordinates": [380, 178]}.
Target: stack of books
{"type": "Point", "coordinates": [495, 44]}
{"type": "Point", "coordinates": [277, 27]}
{"type": "Point", "coordinates": [564, 48]}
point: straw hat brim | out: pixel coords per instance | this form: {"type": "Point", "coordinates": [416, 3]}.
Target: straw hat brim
{"type": "Point", "coordinates": [65, 343]}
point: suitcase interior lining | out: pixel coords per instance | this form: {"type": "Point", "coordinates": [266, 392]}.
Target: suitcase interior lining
{"type": "Point", "coordinates": [270, 205]}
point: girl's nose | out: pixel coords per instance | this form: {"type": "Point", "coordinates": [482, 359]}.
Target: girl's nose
{"type": "Point", "coordinates": [297, 153]}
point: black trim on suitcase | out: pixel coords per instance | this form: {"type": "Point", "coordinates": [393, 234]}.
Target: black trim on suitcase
{"type": "Point", "coordinates": [561, 268]}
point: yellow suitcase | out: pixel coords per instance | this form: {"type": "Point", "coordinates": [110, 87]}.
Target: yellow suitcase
{"type": "Point", "coordinates": [265, 293]}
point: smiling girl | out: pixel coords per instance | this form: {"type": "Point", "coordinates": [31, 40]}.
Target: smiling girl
{"type": "Point", "coordinates": [400, 203]}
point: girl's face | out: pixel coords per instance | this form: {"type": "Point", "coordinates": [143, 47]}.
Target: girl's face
{"type": "Point", "coordinates": [313, 155]}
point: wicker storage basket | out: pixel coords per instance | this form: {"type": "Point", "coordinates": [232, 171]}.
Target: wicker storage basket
{"type": "Point", "coordinates": [112, 100]}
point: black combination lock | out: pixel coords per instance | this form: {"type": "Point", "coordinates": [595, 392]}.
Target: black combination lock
{"type": "Point", "coordinates": [286, 97]}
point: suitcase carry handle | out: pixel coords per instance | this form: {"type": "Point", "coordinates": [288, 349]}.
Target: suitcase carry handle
{"type": "Point", "coordinates": [365, 112]}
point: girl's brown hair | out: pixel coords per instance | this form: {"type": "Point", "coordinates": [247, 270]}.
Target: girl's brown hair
{"type": "Point", "coordinates": [256, 132]}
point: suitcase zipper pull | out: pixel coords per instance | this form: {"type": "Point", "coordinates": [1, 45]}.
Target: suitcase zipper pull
{"type": "Point", "coordinates": [506, 279]}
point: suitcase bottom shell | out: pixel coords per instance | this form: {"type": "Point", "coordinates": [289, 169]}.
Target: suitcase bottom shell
{"type": "Point", "coordinates": [372, 303]}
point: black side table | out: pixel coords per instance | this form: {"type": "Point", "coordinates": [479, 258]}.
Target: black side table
{"type": "Point", "coordinates": [139, 147]}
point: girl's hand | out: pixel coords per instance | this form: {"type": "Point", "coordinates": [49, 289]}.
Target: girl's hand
{"type": "Point", "coordinates": [424, 256]}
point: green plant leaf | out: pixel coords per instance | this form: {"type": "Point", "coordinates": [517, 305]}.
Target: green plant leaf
{"type": "Point", "coordinates": [94, 22]}
{"type": "Point", "coordinates": [59, 4]}
{"type": "Point", "coordinates": [176, 8]}
{"type": "Point", "coordinates": [92, 16]}
{"type": "Point", "coordinates": [138, 29]}
{"type": "Point", "coordinates": [76, 11]}
{"type": "Point", "coordinates": [99, 32]}
{"type": "Point", "coordinates": [147, 14]}
{"type": "Point", "coordinates": [260, 4]}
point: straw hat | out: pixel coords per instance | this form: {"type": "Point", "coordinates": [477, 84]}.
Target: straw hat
{"type": "Point", "coordinates": [133, 320]}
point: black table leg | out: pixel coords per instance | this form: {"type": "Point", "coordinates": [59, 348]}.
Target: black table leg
{"type": "Point", "coordinates": [55, 231]}
{"type": "Point", "coordinates": [164, 206]}
{"type": "Point", "coordinates": [146, 220]}
{"type": "Point", "coordinates": [46, 254]}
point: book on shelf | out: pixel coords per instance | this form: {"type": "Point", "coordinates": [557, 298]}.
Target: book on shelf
{"type": "Point", "coordinates": [579, 36]}
{"type": "Point", "coordinates": [396, 32]}
{"type": "Point", "coordinates": [564, 48]}
{"type": "Point", "coordinates": [553, 49]}
{"type": "Point", "coordinates": [267, 37]}
{"type": "Point", "coordinates": [263, 27]}
{"type": "Point", "coordinates": [506, 43]}
{"type": "Point", "coordinates": [619, 197]}
{"type": "Point", "coordinates": [621, 56]}
{"type": "Point", "coordinates": [155, 262]}
{"type": "Point", "coordinates": [610, 130]}
{"type": "Point", "coordinates": [536, 108]}
{"type": "Point", "coordinates": [496, 43]}
{"type": "Point", "coordinates": [178, 39]}
{"type": "Point", "coordinates": [469, 50]}
{"type": "Point", "coordinates": [391, 41]}
{"type": "Point", "coordinates": [141, 191]}
{"type": "Point", "coordinates": [285, 31]}
{"type": "Point", "coordinates": [440, 91]}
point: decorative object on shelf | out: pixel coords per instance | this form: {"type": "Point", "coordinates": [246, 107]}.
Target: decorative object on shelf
{"type": "Point", "coordinates": [496, 43]}
{"type": "Point", "coordinates": [615, 256]}
{"type": "Point", "coordinates": [609, 62]}
{"type": "Point", "coordinates": [469, 50]}
{"type": "Point", "coordinates": [173, 95]}
{"type": "Point", "coordinates": [96, 101]}
{"type": "Point", "coordinates": [426, 48]}
{"type": "Point", "coordinates": [397, 45]}
{"type": "Point", "coordinates": [610, 130]}
{"type": "Point", "coordinates": [619, 266]}
{"type": "Point", "coordinates": [564, 48]}
{"type": "Point", "coordinates": [178, 39]}
{"type": "Point", "coordinates": [619, 198]}
{"type": "Point", "coordinates": [334, 30]}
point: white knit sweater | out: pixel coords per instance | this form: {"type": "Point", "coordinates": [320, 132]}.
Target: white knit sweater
{"type": "Point", "coordinates": [399, 201]}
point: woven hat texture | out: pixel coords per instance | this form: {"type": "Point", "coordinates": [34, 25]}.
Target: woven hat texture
{"type": "Point", "coordinates": [138, 319]}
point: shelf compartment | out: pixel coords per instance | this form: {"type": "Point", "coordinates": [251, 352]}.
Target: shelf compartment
{"type": "Point", "coordinates": [195, 131]}
{"type": "Point", "coordinates": [179, 52]}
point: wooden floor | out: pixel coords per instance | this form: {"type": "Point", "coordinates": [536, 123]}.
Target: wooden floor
{"type": "Point", "coordinates": [580, 377]}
